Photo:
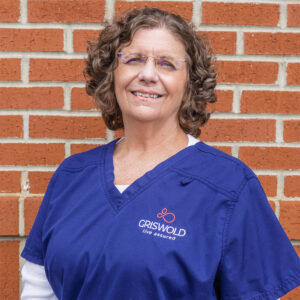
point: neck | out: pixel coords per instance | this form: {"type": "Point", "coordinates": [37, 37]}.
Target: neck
{"type": "Point", "coordinates": [149, 137]}
{"type": "Point", "coordinates": [144, 147]}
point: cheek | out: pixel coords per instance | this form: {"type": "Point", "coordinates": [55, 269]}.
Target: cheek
{"type": "Point", "coordinates": [119, 84]}
{"type": "Point", "coordinates": [178, 86]}
{"type": "Point", "coordinates": [122, 80]}
{"type": "Point", "coordinates": [117, 77]}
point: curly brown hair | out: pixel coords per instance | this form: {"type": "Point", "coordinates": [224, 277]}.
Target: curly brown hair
{"type": "Point", "coordinates": [102, 61]}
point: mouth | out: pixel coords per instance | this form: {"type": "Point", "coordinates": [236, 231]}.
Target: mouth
{"type": "Point", "coordinates": [146, 95]}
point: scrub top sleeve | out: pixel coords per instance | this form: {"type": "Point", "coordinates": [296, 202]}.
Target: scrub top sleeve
{"type": "Point", "coordinates": [33, 250]}
{"type": "Point", "coordinates": [258, 261]}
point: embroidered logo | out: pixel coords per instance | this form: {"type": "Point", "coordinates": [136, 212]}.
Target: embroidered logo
{"type": "Point", "coordinates": [168, 217]}
{"type": "Point", "coordinates": [162, 230]}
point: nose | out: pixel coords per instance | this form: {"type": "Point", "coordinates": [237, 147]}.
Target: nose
{"type": "Point", "coordinates": [148, 72]}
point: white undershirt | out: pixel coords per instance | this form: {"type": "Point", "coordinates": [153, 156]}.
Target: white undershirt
{"type": "Point", "coordinates": [36, 285]}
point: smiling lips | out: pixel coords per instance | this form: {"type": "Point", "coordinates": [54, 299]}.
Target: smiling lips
{"type": "Point", "coordinates": [146, 94]}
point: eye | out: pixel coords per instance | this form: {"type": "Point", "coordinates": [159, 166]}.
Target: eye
{"type": "Point", "coordinates": [165, 63]}
{"type": "Point", "coordinates": [132, 60]}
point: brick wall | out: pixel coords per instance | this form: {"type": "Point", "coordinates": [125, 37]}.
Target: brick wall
{"type": "Point", "coordinates": [45, 115]}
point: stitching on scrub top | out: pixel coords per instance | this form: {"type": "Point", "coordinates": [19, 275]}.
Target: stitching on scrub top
{"type": "Point", "coordinates": [275, 291]}
{"type": "Point", "coordinates": [154, 179]}
{"type": "Point", "coordinates": [103, 178]}
{"type": "Point", "coordinates": [229, 215]}
{"type": "Point", "coordinates": [218, 153]}
{"type": "Point", "coordinates": [135, 194]}
{"type": "Point", "coordinates": [232, 194]}
{"type": "Point", "coordinates": [74, 170]}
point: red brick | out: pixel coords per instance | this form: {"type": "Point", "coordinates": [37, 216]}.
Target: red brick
{"type": "Point", "coordinates": [272, 43]}
{"type": "Point", "coordinates": [225, 149]}
{"type": "Point", "coordinates": [118, 133]}
{"type": "Point", "coordinates": [10, 69]}
{"type": "Point", "coordinates": [32, 98]}
{"type": "Point", "coordinates": [11, 126]}
{"type": "Point", "coordinates": [66, 127]}
{"type": "Point", "coordinates": [80, 100]}
{"type": "Point", "coordinates": [9, 10]}
{"type": "Point", "coordinates": [10, 182]}
{"type": "Point", "coordinates": [9, 216]}
{"type": "Point", "coordinates": [75, 11]}
{"type": "Point", "coordinates": [77, 148]}
{"type": "Point", "coordinates": [80, 38]}
{"type": "Point", "coordinates": [31, 154]}
{"type": "Point", "coordinates": [222, 42]}
{"type": "Point", "coordinates": [271, 157]}
{"type": "Point", "coordinates": [247, 72]}
{"type": "Point", "coordinates": [291, 131]}
{"type": "Point", "coordinates": [292, 295]}
{"type": "Point", "coordinates": [269, 184]}
{"type": "Point", "coordinates": [290, 218]}
{"type": "Point", "coordinates": [38, 181]}
{"type": "Point", "coordinates": [253, 130]}
{"type": "Point", "coordinates": [293, 71]}
{"type": "Point", "coordinates": [184, 9]}
{"type": "Point", "coordinates": [224, 102]}
{"type": "Point", "coordinates": [293, 13]}
{"type": "Point", "coordinates": [56, 70]}
{"type": "Point", "coordinates": [272, 204]}
{"type": "Point", "coordinates": [270, 102]}
{"type": "Point", "coordinates": [9, 270]}
{"type": "Point", "coordinates": [292, 186]}
{"type": "Point", "coordinates": [240, 14]}
{"type": "Point", "coordinates": [31, 207]}
{"type": "Point", "coordinates": [31, 39]}
{"type": "Point", "coordinates": [297, 248]}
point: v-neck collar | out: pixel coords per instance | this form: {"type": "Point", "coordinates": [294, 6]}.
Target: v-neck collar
{"type": "Point", "coordinates": [119, 200]}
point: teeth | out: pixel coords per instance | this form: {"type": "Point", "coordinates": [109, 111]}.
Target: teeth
{"type": "Point", "coordinates": [146, 95]}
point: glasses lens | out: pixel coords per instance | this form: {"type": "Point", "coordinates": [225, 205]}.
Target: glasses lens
{"type": "Point", "coordinates": [166, 64]}
{"type": "Point", "coordinates": [163, 63]}
{"type": "Point", "coordinates": [131, 59]}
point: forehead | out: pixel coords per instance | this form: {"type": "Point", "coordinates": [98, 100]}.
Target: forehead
{"type": "Point", "coordinates": [156, 41]}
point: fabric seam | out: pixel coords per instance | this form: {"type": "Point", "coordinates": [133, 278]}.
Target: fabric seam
{"type": "Point", "coordinates": [276, 291]}
{"type": "Point", "coordinates": [229, 214]}
{"type": "Point", "coordinates": [232, 194]}
{"type": "Point", "coordinates": [93, 163]}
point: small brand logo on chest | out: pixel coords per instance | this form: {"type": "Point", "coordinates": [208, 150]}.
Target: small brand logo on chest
{"type": "Point", "coordinates": [162, 230]}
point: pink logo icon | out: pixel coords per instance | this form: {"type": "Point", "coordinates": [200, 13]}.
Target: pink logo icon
{"type": "Point", "coordinates": [167, 216]}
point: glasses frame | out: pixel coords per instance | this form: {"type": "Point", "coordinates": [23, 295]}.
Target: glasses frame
{"type": "Point", "coordinates": [177, 62]}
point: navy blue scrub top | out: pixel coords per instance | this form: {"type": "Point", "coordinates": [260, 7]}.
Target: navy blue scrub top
{"type": "Point", "coordinates": [197, 226]}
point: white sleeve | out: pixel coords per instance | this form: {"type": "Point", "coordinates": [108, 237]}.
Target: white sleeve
{"type": "Point", "coordinates": [36, 284]}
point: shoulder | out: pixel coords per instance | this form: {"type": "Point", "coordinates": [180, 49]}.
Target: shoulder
{"type": "Point", "coordinates": [79, 161]}
{"type": "Point", "coordinates": [217, 169]}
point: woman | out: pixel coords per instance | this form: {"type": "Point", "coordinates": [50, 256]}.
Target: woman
{"type": "Point", "coordinates": [156, 214]}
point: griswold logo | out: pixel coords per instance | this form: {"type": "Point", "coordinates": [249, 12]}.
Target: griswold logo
{"type": "Point", "coordinates": [162, 230]}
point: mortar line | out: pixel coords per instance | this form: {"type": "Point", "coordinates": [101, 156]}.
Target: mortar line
{"type": "Point", "coordinates": [197, 13]}
{"type": "Point", "coordinates": [23, 12]}
{"type": "Point", "coordinates": [279, 131]}
{"type": "Point", "coordinates": [240, 43]}
{"type": "Point", "coordinates": [109, 10]}
{"type": "Point", "coordinates": [26, 126]}
{"type": "Point", "coordinates": [25, 70]}
{"type": "Point", "coordinates": [283, 16]}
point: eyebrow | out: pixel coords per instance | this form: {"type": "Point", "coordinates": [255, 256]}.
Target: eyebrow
{"type": "Point", "coordinates": [160, 55]}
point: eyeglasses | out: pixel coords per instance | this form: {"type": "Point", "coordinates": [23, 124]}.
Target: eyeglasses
{"type": "Point", "coordinates": [163, 63]}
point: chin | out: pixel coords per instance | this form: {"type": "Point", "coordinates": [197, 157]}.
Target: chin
{"type": "Point", "coordinates": [146, 117]}
{"type": "Point", "coordinates": [143, 114]}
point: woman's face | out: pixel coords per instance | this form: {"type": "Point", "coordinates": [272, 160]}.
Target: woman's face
{"type": "Point", "coordinates": [147, 91]}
